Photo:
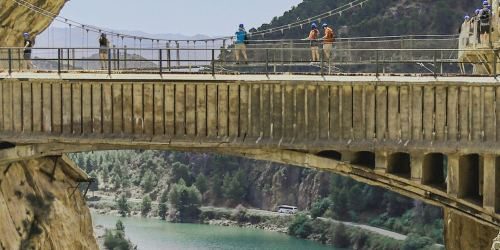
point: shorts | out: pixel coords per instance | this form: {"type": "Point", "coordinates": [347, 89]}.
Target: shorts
{"type": "Point", "coordinates": [241, 46]}
{"type": "Point", "coordinates": [103, 50]}
{"type": "Point", "coordinates": [314, 44]}
{"type": "Point", "coordinates": [484, 29]}
{"type": "Point", "coordinates": [27, 55]}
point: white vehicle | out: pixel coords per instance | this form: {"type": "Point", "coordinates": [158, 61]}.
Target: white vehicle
{"type": "Point", "coordinates": [285, 209]}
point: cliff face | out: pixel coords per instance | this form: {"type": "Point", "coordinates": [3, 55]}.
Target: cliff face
{"type": "Point", "coordinates": [284, 185]}
{"type": "Point", "coordinates": [38, 212]}
{"type": "Point", "coordinates": [15, 19]}
{"type": "Point", "coordinates": [464, 233]}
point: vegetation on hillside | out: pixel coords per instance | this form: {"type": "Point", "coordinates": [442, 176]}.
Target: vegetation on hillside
{"type": "Point", "coordinates": [378, 17]}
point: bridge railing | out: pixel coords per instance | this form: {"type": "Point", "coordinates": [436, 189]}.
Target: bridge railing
{"type": "Point", "coordinates": [264, 58]}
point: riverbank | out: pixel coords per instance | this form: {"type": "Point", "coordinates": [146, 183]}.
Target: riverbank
{"type": "Point", "coordinates": [322, 230]}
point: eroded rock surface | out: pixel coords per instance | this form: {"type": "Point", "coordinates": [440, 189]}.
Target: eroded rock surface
{"type": "Point", "coordinates": [464, 233]}
{"type": "Point", "coordinates": [41, 212]}
{"type": "Point", "coordinates": [15, 18]}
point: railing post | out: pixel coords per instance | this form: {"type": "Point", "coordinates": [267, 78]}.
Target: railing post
{"type": "Point", "coordinates": [169, 59]}
{"type": "Point", "coordinates": [125, 57]}
{"type": "Point", "coordinates": [178, 54]}
{"type": "Point", "coordinates": [10, 60]}
{"type": "Point", "coordinates": [267, 62]}
{"type": "Point", "coordinates": [109, 61]}
{"type": "Point", "coordinates": [495, 61]}
{"type": "Point", "coordinates": [213, 62]}
{"type": "Point", "coordinates": [322, 61]}
{"type": "Point", "coordinates": [118, 59]}
{"type": "Point", "coordinates": [68, 58]}
{"type": "Point", "coordinates": [73, 58]}
{"type": "Point", "coordinates": [376, 64]}
{"type": "Point", "coordinates": [59, 51]}
{"type": "Point", "coordinates": [435, 63]}
{"type": "Point", "coordinates": [161, 61]}
{"type": "Point", "coordinates": [114, 56]}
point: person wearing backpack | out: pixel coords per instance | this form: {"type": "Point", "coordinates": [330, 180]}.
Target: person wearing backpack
{"type": "Point", "coordinates": [240, 45]}
{"type": "Point", "coordinates": [313, 38]}
{"type": "Point", "coordinates": [103, 50]}
{"type": "Point", "coordinates": [328, 40]}
{"type": "Point", "coordinates": [28, 44]}
{"type": "Point", "coordinates": [484, 22]}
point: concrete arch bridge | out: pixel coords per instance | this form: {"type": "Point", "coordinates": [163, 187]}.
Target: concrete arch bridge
{"type": "Point", "coordinates": [433, 139]}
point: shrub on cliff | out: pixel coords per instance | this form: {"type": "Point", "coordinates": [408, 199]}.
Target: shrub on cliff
{"type": "Point", "coordinates": [340, 236]}
{"type": "Point", "coordinates": [301, 226]}
{"type": "Point", "coordinates": [240, 214]}
{"type": "Point", "coordinates": [414, 242]}
{"type": "Point", "coordinates": [319, 208]}
{"type": "Point", "coordinates": [115, 239]}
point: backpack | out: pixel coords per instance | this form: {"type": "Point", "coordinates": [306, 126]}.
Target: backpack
{"type": "Point", "coordinates": [485, 17]}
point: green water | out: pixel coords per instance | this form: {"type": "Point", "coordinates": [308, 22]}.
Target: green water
{"type": "Point", "coordinates": [151, 234]}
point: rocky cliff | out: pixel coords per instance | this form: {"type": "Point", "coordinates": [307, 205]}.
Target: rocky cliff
{"type": "Point", "coordinates": [464, 233]}
{"type": "Point", "coordinates": [42, 208]}
{"type": "Point", "coordinates": [18, 16]}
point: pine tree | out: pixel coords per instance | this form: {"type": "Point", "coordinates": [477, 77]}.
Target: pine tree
{"type": "Point", "coordinates": [145, 206]}
{"type": "Point", "coordinates": [123, 207]}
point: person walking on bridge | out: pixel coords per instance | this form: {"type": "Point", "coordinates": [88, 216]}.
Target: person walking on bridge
{"type": "Point", "coordinates": [28, 44]}
{"type": "Point", "coordinates": [103, 50]}
{"type": "Point", "coordinates": [328, 40]}
{"type": "Point", "coordinates": [313, 38]}
{"type": "Point", "coordinates": [485, 23]}
{"type": "Point", "coordinates": [240, 44]}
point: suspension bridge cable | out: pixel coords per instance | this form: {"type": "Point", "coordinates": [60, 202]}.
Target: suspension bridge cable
{"type": "Point", "coordinates": [330, 13]}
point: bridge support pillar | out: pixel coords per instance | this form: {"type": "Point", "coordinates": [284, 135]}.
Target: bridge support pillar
{"type": "Point", "coordinates": [381, 162]}
{"type": "Point", "coordinates": [453, 175]}
{"type": "Point", "coordinates": [417, 167]}
{"type": "Point", "coordinates": [491, 186]}
{"type": "Point", "coordinates": [462, 232]}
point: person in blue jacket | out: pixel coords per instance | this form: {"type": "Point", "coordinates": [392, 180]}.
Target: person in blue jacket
{"type": "Point", "coordinates": [240, 44]}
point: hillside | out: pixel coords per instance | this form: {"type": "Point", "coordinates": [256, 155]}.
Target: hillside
{"type": "Point", "coordinates": [379, 17]}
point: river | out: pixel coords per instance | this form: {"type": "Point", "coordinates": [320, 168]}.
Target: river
{"type": "Point", "coordinates": [153, 234]}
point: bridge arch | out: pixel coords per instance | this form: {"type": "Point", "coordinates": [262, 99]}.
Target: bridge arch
{"type": "Point", "coordinates": [399, 164]}
{"type": "Point", "coordinates": [434, 170]}
{"type": "Point", "coordinates": [470, 177]}
{"type": "Point", "coordinates": [330, 154]}
{"type": "Point", "coordinates": [364, 159]}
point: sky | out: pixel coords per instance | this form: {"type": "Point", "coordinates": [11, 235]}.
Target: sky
{"type": "Point", "coordinates": [187, 17]}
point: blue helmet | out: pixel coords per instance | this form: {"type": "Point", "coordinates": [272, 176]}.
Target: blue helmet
{"type": "Point", "coordinates": [477, 11]}
{"type": "Point", "coordinates": [314, 25]}
{"type": "Point", "coordinates": [325, 25]}
{"type": "Point", "coordinates": [489, 6]}
{"type": "Point", "coordinates": [241, 25]}
{"type": "Point", "coordinates": [466, 17]}
{"type": "Point", "coordinates": [485, 3]}
{"type": "Point", "coordinates": [25, 34]}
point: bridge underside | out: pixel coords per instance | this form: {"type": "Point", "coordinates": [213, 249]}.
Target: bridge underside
{"type": "Point", "coordinates": [385, 169]}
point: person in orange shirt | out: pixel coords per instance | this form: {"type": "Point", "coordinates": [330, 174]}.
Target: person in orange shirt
{"type": "Point", "coordinates": [313, 38]}
{"type": "Point", "coordinates": [328, 40]}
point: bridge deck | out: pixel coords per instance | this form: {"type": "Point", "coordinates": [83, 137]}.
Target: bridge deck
{"type": "Point", "coordinates": [401, 130]}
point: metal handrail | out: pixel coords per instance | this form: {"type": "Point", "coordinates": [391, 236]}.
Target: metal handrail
{"type": "Point", "coordinates": [269, 60]}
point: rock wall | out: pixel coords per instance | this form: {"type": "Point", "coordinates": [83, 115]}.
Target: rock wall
{"type": "Point", "coordinates": [464, 233]}
{"type": "Point", "coordinates": [16, 19]}
{"type": "Point", "coordinates": [41, 212]}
